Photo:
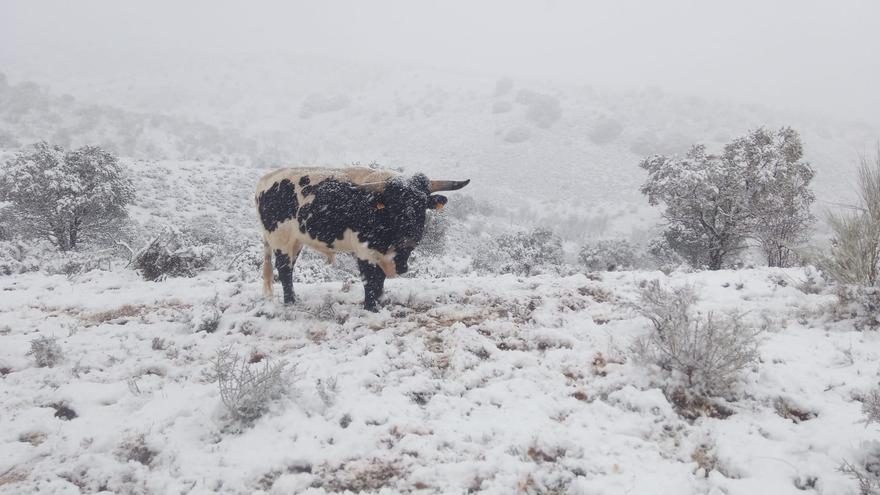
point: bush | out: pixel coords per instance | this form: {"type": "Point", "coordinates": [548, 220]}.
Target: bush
{"type": "Point", "coordinates": [661, 254]}
{"type": "Point", "coordinates": [206, 318]}
{"type": "Point", "coordinates": [16, 258]}
{"type": "Point", "coordinates": [316, 104]}
{"type": "Point", "coordinates": [67, 197]}
{"type": "Point", "coordinates": [522, 253]}
{"type": "Point", "coordinates": [609, 255]}
{"type": "Point", "coordinates": [543, 110]}
{"type": "Point", "coordinates": [503, 86]}
{"type": "Point", "coordinates": [502, 107]}
{"type": "Point", "coordinates": [855, 245]}
{"type": "Point", "coordinates": [206, 229]}
{"type": "Point", "coordinates": [247, 390]}
{"type": "Point", "coordinates": [859, 303]}
{"type": "Point", "coordinates": [172, 254]}
{"type": "Point", "coordinates": [871, 407]}
{"type": "Point", "coordinates": [709, 352]}
{"type": "Point", "coordinates": [433, 241]}
{"type": "Point", "coordinates": [517, 135]}
{"type": "Point", "coordinates": [46, 352]}
{"type": "Point", "coordinates": [605, 131]}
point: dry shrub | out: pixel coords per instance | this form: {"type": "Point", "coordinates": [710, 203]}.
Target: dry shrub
{"type": "Point", "coordinates": [172, 254]}
{"type": "Point", "coordinates": [136, 449]}
{"type": "Point", "coordinates": [787, 410]}
{"type": "Point", "coordinates": [708, 351]}
{"type": "Point", "coordinates": [871, 407]}
{"type": "Point", "coordinates": [247, 390]}
{"type": "Point", "coordinates": [46, 352]}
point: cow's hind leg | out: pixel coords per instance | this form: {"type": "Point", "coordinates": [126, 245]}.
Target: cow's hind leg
{"type": "Point", "coordinates": [284, 264]}
{"type": "Point", "coordinates": [374, 284]}
{"type": "Point", "coordinates": [267, 270]}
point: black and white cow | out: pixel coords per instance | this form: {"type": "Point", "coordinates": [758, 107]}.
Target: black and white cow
{"type": "Point", "coordinates": [378, 215]}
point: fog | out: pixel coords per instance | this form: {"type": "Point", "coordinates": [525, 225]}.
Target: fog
{"type": "Point", "coordinates": [804, 55]}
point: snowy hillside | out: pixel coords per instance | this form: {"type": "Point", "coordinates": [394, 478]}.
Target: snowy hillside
{"type": "Point", "coordinates": [461, 383]}
{"type": "Point", "coordinates": [555, 145]}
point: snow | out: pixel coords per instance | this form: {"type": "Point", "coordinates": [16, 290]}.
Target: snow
{"type": "Point", "coordinates": [458, 383]}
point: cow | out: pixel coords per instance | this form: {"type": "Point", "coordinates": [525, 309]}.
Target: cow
{"type": "Point", "coordinates": [378, 215]}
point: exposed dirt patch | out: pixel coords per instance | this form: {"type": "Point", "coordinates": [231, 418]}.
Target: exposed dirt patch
{"type": "Point", "coordinates": [691, 407]}
{"type": "Point", "coordinates": [788, 410]}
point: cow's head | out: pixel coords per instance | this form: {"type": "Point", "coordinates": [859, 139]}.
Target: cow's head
{"type": "Point", "coordinates": [401, 203]}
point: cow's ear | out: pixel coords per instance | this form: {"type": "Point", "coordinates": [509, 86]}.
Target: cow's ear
{"type": "Point", "coordinates": [436, 202]}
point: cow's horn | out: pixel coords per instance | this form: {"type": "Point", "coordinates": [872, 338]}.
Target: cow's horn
{"type": "Point", "coordinates": [373, 187]}
{"type": "Point", "coordinates": [448, 185]}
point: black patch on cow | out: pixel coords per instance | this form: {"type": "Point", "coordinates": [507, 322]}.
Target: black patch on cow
{"type": "Point", "coordinates": [285, 274]}
{"type": "Point", "coordinates": [339, 205]}
{"type": "Point", "coordinates": [304, 180]}
{"type": "Point", "coordinates": [277, 204]}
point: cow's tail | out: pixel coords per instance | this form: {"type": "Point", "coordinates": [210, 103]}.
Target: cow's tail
{"type": "Point", "coordinates": [267, 270]}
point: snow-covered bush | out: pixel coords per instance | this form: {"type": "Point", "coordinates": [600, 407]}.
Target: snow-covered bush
{"type": "Point", "coordinates": [316, 104]}
{"type": "Point", "coordinates": [661, 255]}
{"type": "Point", "coordinates": [206, 229]}
{"type": "Point", "coordinates": [18, 257]}
{"type": "Point", "coordinates": [605, 131]}
{"type": "Point", "coordinates": [542, 109]}
{"type": "Point", "coordinates": [206, 317]}
{"type": "Point", "coordinates": [855, 246]}
{"type": "Point", "coordinates": [6, 222]}
{"type": "Point", "coordinates": [521, 253]}
{"type": "Point", "coordinates": [67, 197]}
{"type": "Point", "coordinates": [503, 86]}
{"type": "Point", "coordinates": [433, 241]}
{"type": "Point", "coordinates": [247, 390]}
{"type": "Point", "coordinates": [172, 254]}
{"type": "Point", "coordinates": [708, 352]}
{"type": "Point", "coordinates": [871, 406]}
{"type": "Point", "coordinates": [858, 303]}
{"type": "Point", "coordinates": [517, 135]}
{"type": "Point", "coordinates": [46, 352]}
{"type": "Point", "coordinates": [758, 188]}
{"type": "Point", "coordinates": [502, 106]}
{"type": "Point", "coordinates": [609, 255]}
{"type": "Point", "coordinates": [864, 471]}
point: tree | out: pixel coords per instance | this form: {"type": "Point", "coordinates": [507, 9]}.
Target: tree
{"type": "Point", "coordinates": [758, 188]}
{"type": "Point", "coordinates": [777, 181]}
{"type": "Point", "coordinates": [66, 196]}
{"type": "Point", "coordinates": [705, 206]}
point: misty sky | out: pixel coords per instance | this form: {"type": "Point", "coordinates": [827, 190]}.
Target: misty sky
{"type": "Point", "coordinates": [814, 55]}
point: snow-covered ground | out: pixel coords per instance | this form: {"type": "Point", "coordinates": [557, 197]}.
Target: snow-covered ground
{"type": "Point", "coordinates": [499, 384]}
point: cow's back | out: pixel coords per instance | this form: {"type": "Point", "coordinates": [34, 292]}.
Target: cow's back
{"type": "Point", "coordinates": [355, 175]}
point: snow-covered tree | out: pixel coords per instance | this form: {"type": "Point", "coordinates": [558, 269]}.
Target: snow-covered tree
{"type": "Point", "coordinates": [778, 182]}
{"type": "Point", "coordinates": [758, 188]}
{"type": "Point", "coordinates": [66, 197]}
{"type": "Point", "coordinates": [705, 205]}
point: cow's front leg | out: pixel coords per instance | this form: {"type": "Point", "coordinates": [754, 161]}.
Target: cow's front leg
{"type": "Point", "coordinates": [284, 265]}
{"type": "Point", "coordinates": [374, 284]}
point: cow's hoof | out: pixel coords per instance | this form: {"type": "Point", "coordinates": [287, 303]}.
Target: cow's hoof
{"type": "Point", "coordinates": [372, 307]}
